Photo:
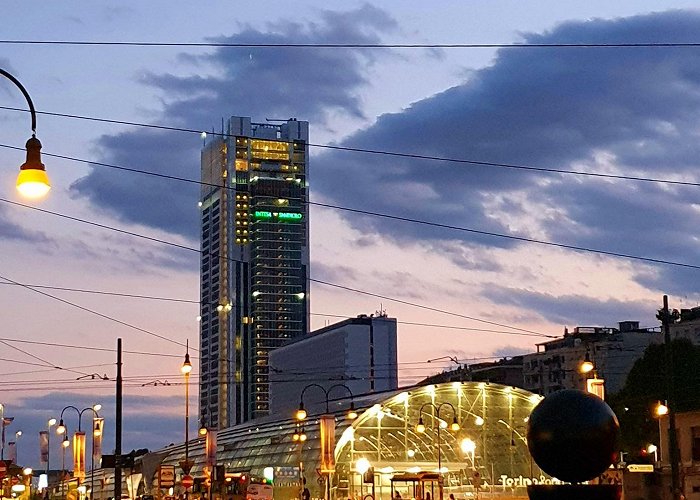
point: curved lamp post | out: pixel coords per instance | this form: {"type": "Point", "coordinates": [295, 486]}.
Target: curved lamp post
{"type": "Point", "coordinates": [327, 430]}
{"type": "Point", "coordinates": [301, 413]}
{"type": "Point", "coordinates": [454, 426]}
{"type": "Point", "coordinates": [96, 432]}
{"type": "Point", "coordinates": [32, 180]}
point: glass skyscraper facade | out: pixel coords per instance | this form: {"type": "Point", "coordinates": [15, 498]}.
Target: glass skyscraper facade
{"type": "Point", "coordinates": [255, 262]}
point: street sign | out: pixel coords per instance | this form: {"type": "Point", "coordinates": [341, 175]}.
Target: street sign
{"type": "Point", "coordinates": [187, 481]}
{"type": "Point", "coordinates": [166, 476]}
{"type": "Point", "coordinates": [640, 467]}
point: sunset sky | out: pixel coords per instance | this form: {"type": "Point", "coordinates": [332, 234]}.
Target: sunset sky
{"type": "Point", "coordinates": [440, 256]}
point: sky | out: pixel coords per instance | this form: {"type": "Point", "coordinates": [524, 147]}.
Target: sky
{"type": "Point", "coordinates": [456, 251]}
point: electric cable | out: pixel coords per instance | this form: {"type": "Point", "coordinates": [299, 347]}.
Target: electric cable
{"type": "Point", "coordinates": [350, 45]}
{"type": "Point", "coordinates": [397, 154]}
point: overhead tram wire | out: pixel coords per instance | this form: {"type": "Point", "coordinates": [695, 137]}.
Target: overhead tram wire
{"type": "Point", "coordinates": [96, 313]}
{"type": "Point", "coordinates": [38, 358]}
{"type": "Point", "coordinates": [350, 45]}
{"type": "Point", "coordinates": [397, 154]}
{"type": "Point", "coordinates": [353, 210]}
{"type": "Point", "coordinates": [343, 287]}
{"type": "Point", "coordinates": [88, 348]}
{"type": "Point", "coordinates": [189, 301]}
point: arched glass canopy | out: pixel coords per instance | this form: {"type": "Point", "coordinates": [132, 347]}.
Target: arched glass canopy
{"type": "Point", "coordinates": [488, 449]}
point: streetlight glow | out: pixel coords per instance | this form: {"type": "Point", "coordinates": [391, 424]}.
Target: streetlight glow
{"type": "Point", "coordinates": [52, 422]}
{"type": "Point", "coordinates": [661, 409]}
{"type": "Point", "coordinates": [301, 412]}
{"type": "Point", "coordinates": [362, 465]}
{"type": "Point", "coordinates": [420, 428]}
{"type": "Point", "coordinates": [187, 365]}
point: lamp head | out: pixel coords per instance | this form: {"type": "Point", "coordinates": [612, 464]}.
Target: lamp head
{"type": "Point", "coordinates": [352, 414]}
{"type": "Point", "coordinates": [301, 412]}
{"type": "Point", "coordinates": [61, 428]}
{"type": "Point", "coordinates": [66, 442]}
{"type": "Point", "coordinates": [202, 431]}
{"type": "Point", "coordinates": [52, 422]}
{"type": "Point", "coordinates": [455, 425]}
{"type": "Point", "coordinates": [18, 433]}
{"type": "Point", "coordinates": [302, 437]}
{"type": "Point", "coordinates": [420, 428]}
{"type": "Point", "coordinates": [32, 181]}
{"type": "Point", "coordinates": [661, 409]}
{"type": "Point", "coordinates": [586, 365]}
{"type": "Point", "coordinates": [97, 407]}
{"type": "Point", "coordinates": [187, 365]}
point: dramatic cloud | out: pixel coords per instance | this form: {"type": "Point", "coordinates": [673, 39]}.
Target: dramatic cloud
{"type": "Point", "coordinates": [258, 82]}
{"type": "Point", "coordinates": [621, 111]}
{"type": "Point", "coordinates": [572, 309]}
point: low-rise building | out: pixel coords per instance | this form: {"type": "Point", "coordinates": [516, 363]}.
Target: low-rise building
{"type": "Point", "coordinates": [612, 351]}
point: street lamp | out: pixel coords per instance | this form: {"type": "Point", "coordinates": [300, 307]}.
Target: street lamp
{"type": "Point", "coordinates": [18, 435]}
{"type": "Point", "coordinates": [327, 429]}
{"type": "Point", "coordinates": [50, 423]}
{"type": "Point", "coordinates": [586, 365]}
{"type": "Point", "coordinates": [186, 369]}
{"type": "Point", "coordinates": [469, 448]}
{"type": "Point", "coordinates": [32, 181]}
{"type": "Point", "coordinates": [420, 428]}
{"type": "Point", "coordinates": [64, 445]}
{"type": "Point", "coordinates": [79, 440]}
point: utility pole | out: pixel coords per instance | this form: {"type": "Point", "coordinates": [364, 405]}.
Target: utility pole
{"type": "Point", "coordinates": [118, 427]}
{"type": "Point", "coordinates": [666, 318]}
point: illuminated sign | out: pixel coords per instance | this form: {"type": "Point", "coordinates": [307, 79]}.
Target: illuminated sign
{"type": "Point", "coordinates": [640, 467]}
{"type": "Point", "coordinates": [285, 216]}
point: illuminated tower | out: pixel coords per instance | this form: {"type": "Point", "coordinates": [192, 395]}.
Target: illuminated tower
{"type": "Point", "coordinates": [255, 262]}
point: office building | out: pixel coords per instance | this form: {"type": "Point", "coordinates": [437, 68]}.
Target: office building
{"type": "Point", "coordinates": [255, 262]}
{"type": "Point", "coordinates": [358, 353]}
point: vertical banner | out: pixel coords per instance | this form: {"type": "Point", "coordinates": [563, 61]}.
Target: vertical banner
{"type": "Point", "coordinates": [327, 424]}
{"type": "Point", "coordinates": [211, 448]}
{"type": "Point", "coordinates": [12, 452]}
{"type": "Point", "coordinates": [79, 455]}
{"type": "Point", "coordinates": [43, 447]}
{"type": "Point", "coordinates": [97, 432]}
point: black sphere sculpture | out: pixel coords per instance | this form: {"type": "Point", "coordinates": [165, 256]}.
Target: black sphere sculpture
{"type": "Point", "coordinates": [572, 435]}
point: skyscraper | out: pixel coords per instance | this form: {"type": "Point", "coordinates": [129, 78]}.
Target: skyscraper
{"type": "Point", "coordinates": [255, 262]}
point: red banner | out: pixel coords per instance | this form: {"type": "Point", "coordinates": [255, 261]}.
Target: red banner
{"type": "Point", "coordinates": [211, 448]}
{"type": "Point", "coordinates": [327, 424]}
{"type": "Point", "coordinates": [79, 455]}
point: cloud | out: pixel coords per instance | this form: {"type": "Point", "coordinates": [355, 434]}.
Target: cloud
{"type": "Point", "coordinates": [144, 425]}
{"type": "Point", "coordinates": [573, 309]}
{"type": "Point", "coordinates": [308, 83]}
{"type": "Point", "coordinates": [11, 231]}
{"type": "Point", "coordinates": [625, 111]}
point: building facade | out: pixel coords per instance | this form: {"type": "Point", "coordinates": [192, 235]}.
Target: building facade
{"type": "Point", "coordinates": [359, 353]}
{"type": "Point", "coordinates": [255, 262]}
{"type": "Point", "coordinates": [612, 351]}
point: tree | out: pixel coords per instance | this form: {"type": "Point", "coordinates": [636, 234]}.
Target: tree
{"type": "Point", "coordinates": [646, 386]}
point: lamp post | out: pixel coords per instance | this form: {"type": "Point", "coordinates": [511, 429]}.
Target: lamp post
{"type": "Point", "coordinates": [79, 447]}
{"type": "Point", "coordinates": [186, 369]}
{"type": "Point", "coordinates": [327, 429]}
{"type": "Point", "coordinates": [420, 428]}
{"type": "Point", "coordinates": [32, 180]}
{"type": "Point", "coordinates": [18, 435]}
{"type": "Point", "coordinates": [64, 445]}
{"type": "Point", "coordinates": [50, 423]}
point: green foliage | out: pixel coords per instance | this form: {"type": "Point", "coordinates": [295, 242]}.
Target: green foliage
{"type": "Point", "coordinates": [646, 386]}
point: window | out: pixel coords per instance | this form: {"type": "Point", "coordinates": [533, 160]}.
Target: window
{"type": "Point", "coordinates": [695, 433]}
